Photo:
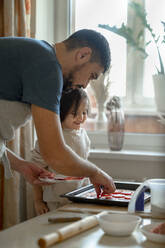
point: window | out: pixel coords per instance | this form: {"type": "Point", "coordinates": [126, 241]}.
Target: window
{"type": "Point", "coordinates": [155, 10]}
{"type": "Point", "coordinates": [103, 12]}
{"type": "Point", "coordinates": [135, 90]}
{"type": "Point", "coordinates": [131, 75]}
{"type": "Point", "coordinates": [131, 87]}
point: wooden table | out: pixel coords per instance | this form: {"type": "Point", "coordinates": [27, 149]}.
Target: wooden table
{"type": "Point", "coordinates": [26, 234]}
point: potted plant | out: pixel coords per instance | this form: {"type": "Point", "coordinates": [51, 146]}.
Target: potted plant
{"type": "Point", "coordinates": [135, 41]}
{"type": "Point", "coordinates": [100, 88]}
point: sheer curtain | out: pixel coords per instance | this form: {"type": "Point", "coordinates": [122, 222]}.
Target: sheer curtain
{"type": "Point", "coordinates": [16, 197]}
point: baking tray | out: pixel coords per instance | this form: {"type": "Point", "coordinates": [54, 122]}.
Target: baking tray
{"type": "Point", "coordinates": [77, 195]}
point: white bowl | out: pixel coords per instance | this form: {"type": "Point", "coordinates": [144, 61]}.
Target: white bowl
{"type": "Point", "coordinates": [119, 224]}
{"type": "Point", "coordinates": [154, 237]}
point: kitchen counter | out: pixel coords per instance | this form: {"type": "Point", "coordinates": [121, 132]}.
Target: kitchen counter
{"type": "Point", "coordinates": [26, 234]}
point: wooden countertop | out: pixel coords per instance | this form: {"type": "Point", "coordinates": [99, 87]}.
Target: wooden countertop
{"type": "Point", "coordinates": [26, 234]}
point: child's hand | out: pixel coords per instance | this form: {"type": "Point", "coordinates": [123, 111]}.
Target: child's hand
{"type": "Point", "coordinates": [41, 207]}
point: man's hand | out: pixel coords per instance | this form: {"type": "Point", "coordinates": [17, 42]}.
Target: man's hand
{"type": "Point", "coordinates": [29, 170]}
{"type": "Point", "coordinates": [32, 172]}
{"type": "Point", "coordinates": [103, 183]}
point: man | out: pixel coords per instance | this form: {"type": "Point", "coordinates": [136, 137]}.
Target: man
{"type": "Point", "coordinates": [32, 73]}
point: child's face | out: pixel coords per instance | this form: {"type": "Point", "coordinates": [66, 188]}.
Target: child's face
{"type": "Point", "coordinates": [73, 121]}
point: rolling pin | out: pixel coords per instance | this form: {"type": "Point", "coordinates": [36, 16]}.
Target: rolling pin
{"type": "Point", "coordinates": [69, 231]}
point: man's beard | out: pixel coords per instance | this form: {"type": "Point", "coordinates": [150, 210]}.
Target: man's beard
{"type": "Point", "coordinates": [67, 84]}
{"type": "Point", "coordinates": [69, 79]}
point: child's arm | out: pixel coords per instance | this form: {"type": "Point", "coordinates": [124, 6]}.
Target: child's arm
{"type": "Point", "coordinates": [39, 204]}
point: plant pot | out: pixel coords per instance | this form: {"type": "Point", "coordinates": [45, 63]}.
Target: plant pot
{"type": "Point", "coordinates": [159, 89]}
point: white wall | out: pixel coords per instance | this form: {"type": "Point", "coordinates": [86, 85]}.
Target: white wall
{"type": "Point", "coordinates": [137, 170]}
{"type": "Point", "coordinates": [138, 160]}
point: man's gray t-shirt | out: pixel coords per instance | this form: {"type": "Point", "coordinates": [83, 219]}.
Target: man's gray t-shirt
{"type": "Point", "coordinates": [30, 72]}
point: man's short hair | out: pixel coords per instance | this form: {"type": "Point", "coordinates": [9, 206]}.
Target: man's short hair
{"type": "Point", "coordinates": [96, 41]}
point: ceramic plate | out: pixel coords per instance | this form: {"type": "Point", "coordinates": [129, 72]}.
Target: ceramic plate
{"type": "Point", "coordinates": [154, 237]}
{"type": "Point", "coordinates": [47, 180]}
{"type": "Point", "coordinates": [59, 179]}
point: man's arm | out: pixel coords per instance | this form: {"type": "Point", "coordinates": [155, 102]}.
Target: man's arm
{"type": "Point", "coordinates": [59, 156]}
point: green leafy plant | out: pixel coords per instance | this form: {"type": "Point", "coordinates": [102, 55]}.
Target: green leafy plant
{"type": "Point", "coordinates": [135, 41]}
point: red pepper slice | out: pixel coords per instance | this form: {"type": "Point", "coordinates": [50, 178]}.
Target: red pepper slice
{"type": "Point", "coordinates": [118, 196]}
{"type": "Point", "coordinates": [127, 193]}
{"type": "Point", "coordinates": [127, 198]}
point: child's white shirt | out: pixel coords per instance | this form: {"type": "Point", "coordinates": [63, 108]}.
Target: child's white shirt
{"type": "Point", "coordinates": [79, 142]}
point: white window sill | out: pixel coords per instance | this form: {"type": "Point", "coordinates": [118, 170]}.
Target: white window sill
{"type": "Point", "coordinates": [127, 155]}
{"type": "Point", "coordinates": [134, 144]}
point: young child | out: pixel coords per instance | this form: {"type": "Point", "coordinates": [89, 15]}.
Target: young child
{"type": "Point", "coordinates": [74, 108]}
